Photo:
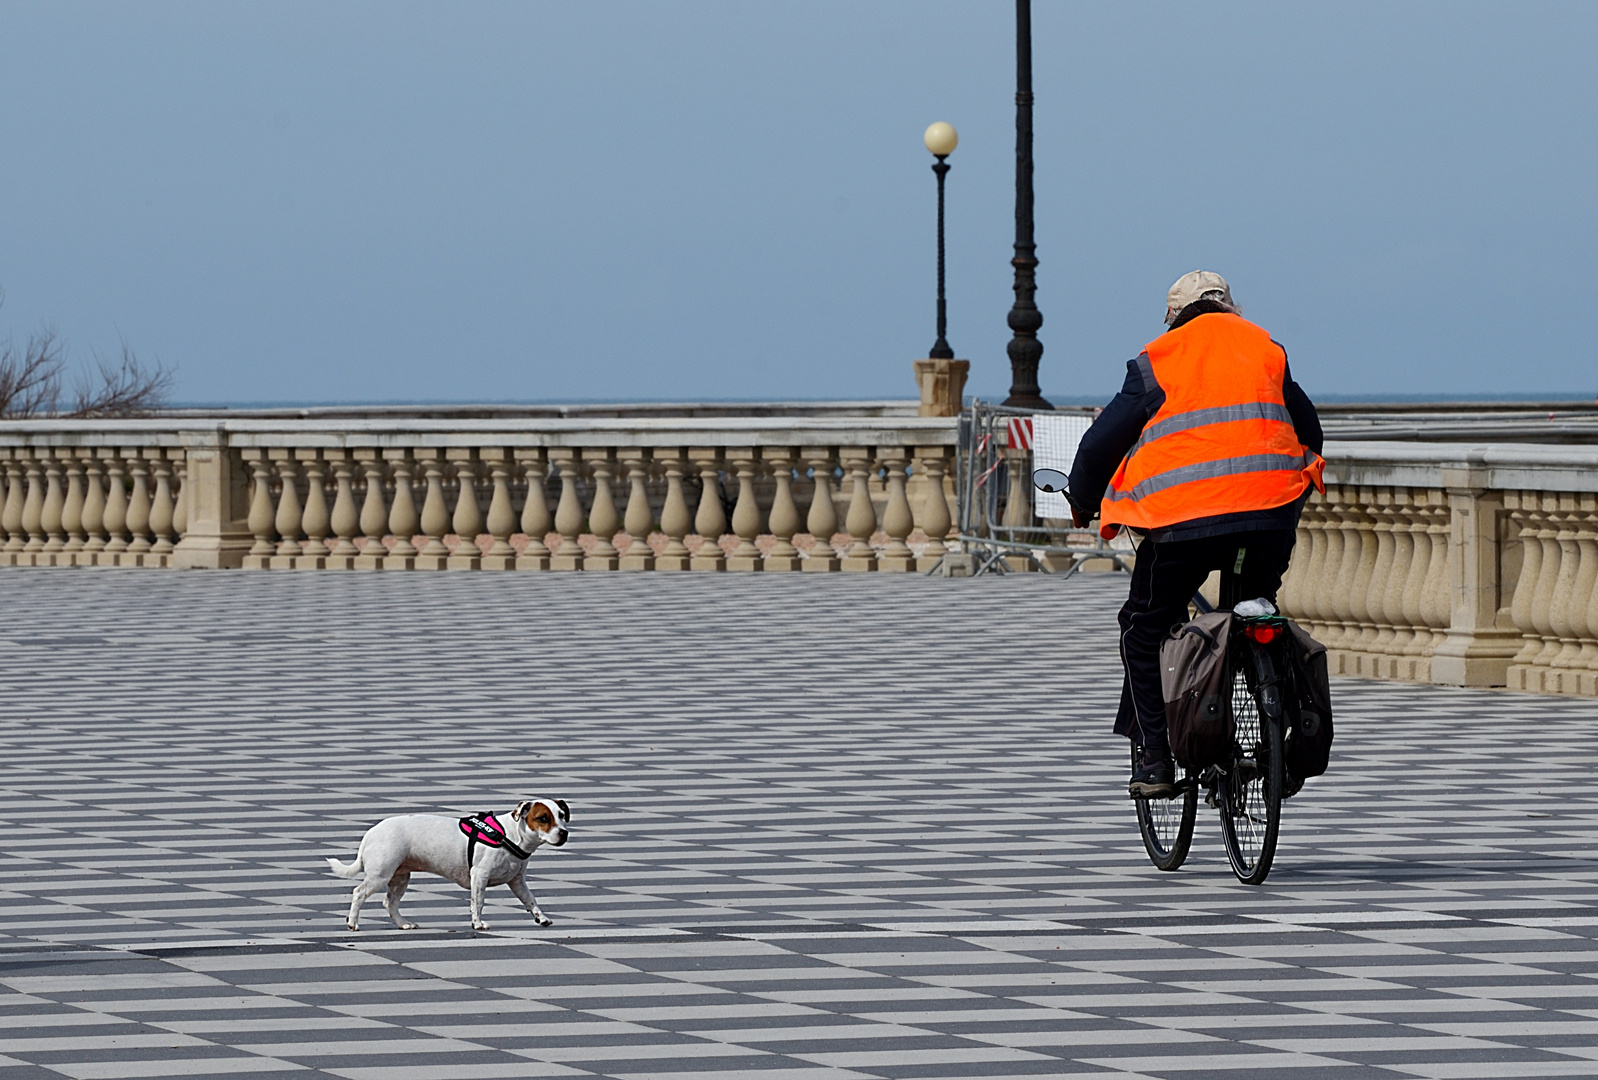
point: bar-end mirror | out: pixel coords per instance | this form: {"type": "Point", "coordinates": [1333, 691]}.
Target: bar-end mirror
{"type": "Point", "coordinates": [1049, 480]}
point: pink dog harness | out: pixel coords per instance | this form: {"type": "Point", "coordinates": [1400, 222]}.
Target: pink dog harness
{"type": "Point", "coordinates": [483, 828]}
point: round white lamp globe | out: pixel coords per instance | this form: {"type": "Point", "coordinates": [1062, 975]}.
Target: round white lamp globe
{"type": "Point", "coordinates": [941, 139]}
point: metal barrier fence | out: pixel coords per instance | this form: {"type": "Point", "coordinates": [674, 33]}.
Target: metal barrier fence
{"type": "Point", "coordinates": [997, 522]}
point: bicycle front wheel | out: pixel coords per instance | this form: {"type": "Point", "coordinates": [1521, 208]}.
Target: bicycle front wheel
{"type": "Point", "coordinates": [1251, 789]}
{"type": "Point", "coordinates": [1167, 824]}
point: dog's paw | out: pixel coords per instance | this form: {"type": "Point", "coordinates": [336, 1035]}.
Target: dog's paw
{"type": "Point", "coordinates": [407, 926]}
{"type": "Point", "coordinates": [353, 926]}
{"type": "Point", "coordinates": [542, 919]}
{"type": "Point", "coordinates": [481, 926]}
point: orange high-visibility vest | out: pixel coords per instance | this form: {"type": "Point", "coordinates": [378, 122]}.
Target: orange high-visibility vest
{"type": "Point", "coordinates": [1222, 442]}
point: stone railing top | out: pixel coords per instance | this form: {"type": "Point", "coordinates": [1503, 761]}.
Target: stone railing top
{"type": "Point", "coordinates": [584, 411]}
{"type": "Point", "coordinates": [1504, 466]}
{"type": "Point", "coordinates": [531, 431]}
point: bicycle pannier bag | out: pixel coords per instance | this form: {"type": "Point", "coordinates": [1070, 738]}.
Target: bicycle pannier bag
{"type": "Point", "coordinates": [1195, 680]}
{"type": "Point", "coordinates": [1308, 746]}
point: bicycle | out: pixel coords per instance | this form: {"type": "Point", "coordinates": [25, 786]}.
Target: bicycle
{"type": "Point", "coordinates": [1247, 789]}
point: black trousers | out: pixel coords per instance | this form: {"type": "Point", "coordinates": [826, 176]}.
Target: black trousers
{"type": "Point", "coordinates": [1163, 581]}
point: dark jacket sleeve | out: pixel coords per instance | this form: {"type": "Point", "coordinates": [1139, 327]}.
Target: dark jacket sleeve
{"type": "Point", "coordinates": [1306, 421]}
{"type": "Point", "coordinates": [1114, 432]}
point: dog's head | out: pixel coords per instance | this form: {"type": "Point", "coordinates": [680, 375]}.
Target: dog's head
{"type": "Point", "coordinates": [547, 819]}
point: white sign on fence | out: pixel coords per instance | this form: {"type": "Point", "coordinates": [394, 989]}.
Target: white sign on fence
{"type": "Point", "coordinates": [1055, 437]}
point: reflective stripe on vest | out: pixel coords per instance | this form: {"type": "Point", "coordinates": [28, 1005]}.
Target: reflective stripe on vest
{"type": "Point", "coordinates": [1206, 470]}
{"type": "Point", "coordinates": [1222, 440]}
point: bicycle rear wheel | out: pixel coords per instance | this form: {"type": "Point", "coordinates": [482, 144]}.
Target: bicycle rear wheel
{"type": "Point", "coordinates": [1251, 789]}
{"type": "Point", "coordinates": [1167, 824]}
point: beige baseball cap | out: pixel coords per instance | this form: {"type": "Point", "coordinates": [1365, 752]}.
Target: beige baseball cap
{"type": "Point", "coordinates": [1191, 287]}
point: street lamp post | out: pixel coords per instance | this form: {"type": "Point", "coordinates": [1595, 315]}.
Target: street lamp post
{"type": "Point", "coordinates": [941, 139]}
{"type": "Point", "coordinates": [1025, 319]}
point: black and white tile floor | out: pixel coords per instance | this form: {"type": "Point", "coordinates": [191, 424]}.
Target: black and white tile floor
{"type": "Point", "coordinates": [827, 826]}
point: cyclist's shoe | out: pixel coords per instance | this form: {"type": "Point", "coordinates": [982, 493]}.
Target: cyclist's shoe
{"type": "Point", "coordinates": [1154, 778]}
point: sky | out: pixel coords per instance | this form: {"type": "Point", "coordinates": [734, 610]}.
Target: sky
{"type": "Point", "coordinates": [469, 202]}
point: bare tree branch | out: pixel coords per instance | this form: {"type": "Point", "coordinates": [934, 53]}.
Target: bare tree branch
{"type": "Point", "coordinates": [30, 382]}
{"type": "Point", "coordinates": [127, 390]}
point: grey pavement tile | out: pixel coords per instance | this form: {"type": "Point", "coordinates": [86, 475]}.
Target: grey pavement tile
{"type": "Point", "coordinates": [823, 828]}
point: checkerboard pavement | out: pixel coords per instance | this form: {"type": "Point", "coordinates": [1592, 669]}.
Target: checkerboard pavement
{"type": "Point", "coordinates": [824, 826]}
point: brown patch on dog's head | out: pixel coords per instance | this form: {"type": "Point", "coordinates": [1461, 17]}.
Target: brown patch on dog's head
{"type": "Point", "coordinates": [538, 816]}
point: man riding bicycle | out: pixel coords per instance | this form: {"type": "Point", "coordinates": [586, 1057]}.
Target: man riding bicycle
{"type": "Point", "coordinates": [1208, 452]}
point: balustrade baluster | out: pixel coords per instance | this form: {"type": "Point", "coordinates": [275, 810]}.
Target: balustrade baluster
{"type": "Point", "coordinates": [1369, 545]}
{"type": "Point", "coordinates": [1417, 636]}
{"type": "Point", "coordinates": [784, 518]}
{"type": "Point", "coordinates": [1353, 546]}
{"type": "Point", "coordinates": [897, 521]}
{"type": "Point", "coordinates": [1395, 632]}
{"type": "Point", "coordinates": [1329, 550]}
{"type": "Point", "coordinates": [316, 521]}
{"type": "Point", "coordinates": [675, 521]}
{"type": "Point", "coordinates": [535, 510]}
{"type": "Point", "coordinates": [290, 516]}
{"type": "Point", "coordinates": [861, 520]}
{"type": "Point", "coordinates": [468, 519]}
{"type": "Point", "coordinates": [1587, 683]}
{"type": "Point", "coordinates": [374, 510]}
{"type": "Point", "coordinates": [435, 515]}
{"type": "Point", "coordinates": [160, 509]}
{"type": "Point", "coordinates": [33, 510]}
{"type": "Point", "coordinates": [93, 509]}
{"type": "Point", "coordinates": [568, 511]}
{"type": "Point", "coordinates": [935, 518]}
{"type": "Point", "coordinates": [11, 515]}
{"type": "Point", "coordinates": [139, 542]}
{"type": "Point", "coordinates": [1525, 517]}
{"type": "Point", "coordinates": [1374, 637]}
{"type": "Point", "coordinates": [639, 518]}
{"type": "Point", "coordinates": [822, 520]}
{"type": "Point", "coordinates": [180, 475]}
{"type": "Point", "coordinates": [501, 521]}
{"type": "Point", "coordinates": [345, 520]}
{"type": "Point", "coordinates": [1542, 600]}
{"type": "Point", "coordinates": [711, 519]}
{"type": "Point", "coordinates": [746, 513]}
{"type": "Point", "coordinates": [1563, 613]}
{"type": "Point", "coordinates": [1438, 606]}
{"type": "Point", "coordinates": [116, 511]}
{"type": "Point", "coordinates": [402, 518]}
{"type": "Point", "coordinates": [603, 521]}
{"type": "Point", "coordinates": [1584, 605]}
{"type": "Point", "coordinates": [50, 515]}
{"type": "Point", "coordinates": [72, 508]}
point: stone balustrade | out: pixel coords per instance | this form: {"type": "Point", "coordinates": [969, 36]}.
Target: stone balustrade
{"type": "Point", "coordinates": [1456, 564]}
{"type": "Point", "coordinates": [539, 493]}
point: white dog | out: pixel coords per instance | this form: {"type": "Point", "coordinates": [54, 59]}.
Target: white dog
{"type": "Point", "coordinates": [474, 852]}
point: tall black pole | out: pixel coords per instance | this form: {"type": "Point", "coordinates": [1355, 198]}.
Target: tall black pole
{"type": "Point", "coordinates": [940, 348]}
{"type": "Point", "coordinates": [1025, 319]}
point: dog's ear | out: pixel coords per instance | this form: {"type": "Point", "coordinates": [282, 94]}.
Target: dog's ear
{"type": "Point", "coordinates": [523, 808]}
{"type": "Point", "coordinates": [564, 808]}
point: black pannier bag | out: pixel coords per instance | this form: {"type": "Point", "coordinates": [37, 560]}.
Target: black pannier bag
{"type": "Point", "coordinates": [1196, 682]}
{"type": "Point", "coordinates": [1308, 746]}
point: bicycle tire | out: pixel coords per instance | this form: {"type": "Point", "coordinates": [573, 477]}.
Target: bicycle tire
{"type": "Point", "coordinates": [1167, 830]}
{"type": "Point", "coordinates": [1251, 789]}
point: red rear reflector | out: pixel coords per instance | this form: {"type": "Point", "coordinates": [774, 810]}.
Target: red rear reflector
{"type": "Point", "coordinates": [1262, 634]}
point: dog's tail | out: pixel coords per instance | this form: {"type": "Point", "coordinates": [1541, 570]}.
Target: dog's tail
{"type": "Point", "coordinates": [346, 869]}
